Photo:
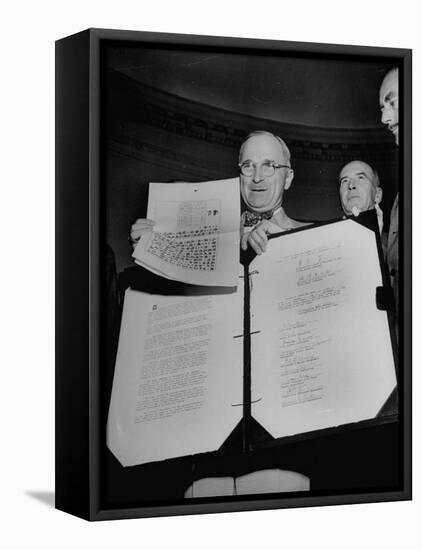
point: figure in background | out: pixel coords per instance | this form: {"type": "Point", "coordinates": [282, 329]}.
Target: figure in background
{"type": "Point", "coordinates": [389, 104]}
{"type": "Point", "coordinates": [360, 190]}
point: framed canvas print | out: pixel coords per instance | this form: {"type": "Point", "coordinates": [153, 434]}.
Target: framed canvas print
{"type": "Point", "coordinates": [233, 274]}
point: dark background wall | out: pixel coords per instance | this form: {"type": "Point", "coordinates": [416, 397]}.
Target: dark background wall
{"type": "Point", "coordinates": [182, 115]}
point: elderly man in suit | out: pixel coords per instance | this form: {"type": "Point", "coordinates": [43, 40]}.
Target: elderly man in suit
{"type": "Point", "coordinates": [265, 175]}
{"type": "Point", "coordinates": [360, 190]}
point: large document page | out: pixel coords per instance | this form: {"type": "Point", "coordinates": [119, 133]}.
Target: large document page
{"type": "Point", "coordinates": [196, 233]}
{"type": "Point", "coordinates": [321, 352]}
{"type": "Point", "coordinates": [177, 387]}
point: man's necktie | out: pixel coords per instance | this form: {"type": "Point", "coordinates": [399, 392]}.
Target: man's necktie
{"type": "Point", "coordinates": [252, 218]}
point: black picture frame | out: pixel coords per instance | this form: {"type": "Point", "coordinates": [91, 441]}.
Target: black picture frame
{"type": "Point", "coordinates": [81, 398]}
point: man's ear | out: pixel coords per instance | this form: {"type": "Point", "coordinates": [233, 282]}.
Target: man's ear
{"type": "Point", "coordinates": [289, 179]}
{"type": "Point", "coordinates": [378, 195]}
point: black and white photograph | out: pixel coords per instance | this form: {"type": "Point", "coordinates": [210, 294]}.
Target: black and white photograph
{"type": "Point", "coordinates": [251, 263]}
{"type": "Point", "coordinates": [210, 227]}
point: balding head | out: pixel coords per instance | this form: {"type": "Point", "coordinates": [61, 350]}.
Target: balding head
{"type": "Point", "coordinates": [264, 160]}
{"type": "Point", "coordinates": [359, 187]}
{"type": "Point", "coordinates": [389, 102]}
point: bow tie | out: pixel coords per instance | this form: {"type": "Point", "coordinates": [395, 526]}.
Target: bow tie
{"type": "Point", "coordinates": [252, 218]}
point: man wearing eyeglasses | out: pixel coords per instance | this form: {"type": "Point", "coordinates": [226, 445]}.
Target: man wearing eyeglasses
{"type": "Point", "coordinates": [265, 174]}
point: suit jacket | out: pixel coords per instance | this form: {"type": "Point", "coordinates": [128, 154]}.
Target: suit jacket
{"type": "Point", "coordinates": [393, 250]}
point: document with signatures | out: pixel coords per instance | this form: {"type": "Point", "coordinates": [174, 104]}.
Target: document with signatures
{"type": "Point", "coordinates": [320, 351]}
{"type": "Point", "coordinates": [195, 238]}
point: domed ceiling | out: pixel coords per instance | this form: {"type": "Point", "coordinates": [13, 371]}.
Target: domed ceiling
{"type": "Point", "coordinates": [326, 93]}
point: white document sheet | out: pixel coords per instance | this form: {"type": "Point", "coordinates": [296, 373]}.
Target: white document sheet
{"type": "Point", "coordinates": [262, 481]}
{"type": "Point", "coordinates": [271, 481]}
{"type": "Point", "coordinates": [322, 353]}
{"type": "Point", "coordinates": [196, 233]}
{"type": "Point", "coordinates": [211, 487]}
{"type": "Point", "coordinates": [178, 378]}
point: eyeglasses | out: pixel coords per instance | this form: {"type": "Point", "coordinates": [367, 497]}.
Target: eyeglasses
{"type": "Point", "coordinates": [268, 168]}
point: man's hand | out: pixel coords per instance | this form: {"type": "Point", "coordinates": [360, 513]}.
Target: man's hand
{"type": "Point", "coordinates": [141, 226]}
{"type": "Point", "coordinates": [257, 238]}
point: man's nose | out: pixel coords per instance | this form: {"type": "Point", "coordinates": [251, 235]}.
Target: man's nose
{"type": "Point", "coordinates": [352, 185]}
{"type": "Point", "coordinates": [257, 174]}
{"type": "Point", "coordinates": [386, 115]}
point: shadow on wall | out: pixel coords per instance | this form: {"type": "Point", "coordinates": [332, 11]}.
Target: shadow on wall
{"type": "Point", "coordinates": [45, 497]}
